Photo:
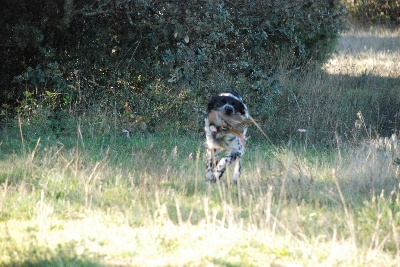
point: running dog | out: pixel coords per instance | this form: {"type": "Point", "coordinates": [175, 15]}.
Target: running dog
{"type": "Point", "coordinates": [226, 126]}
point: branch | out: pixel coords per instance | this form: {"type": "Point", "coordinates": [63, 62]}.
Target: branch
{"type": "Point", "coordinates": [68, 13]}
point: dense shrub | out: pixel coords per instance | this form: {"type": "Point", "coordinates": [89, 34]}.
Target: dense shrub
{"type": "Point", "coordinates": [158, 60]}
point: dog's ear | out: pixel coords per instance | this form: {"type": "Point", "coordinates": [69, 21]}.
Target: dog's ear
{"type": "Point", "coordinates": [213, 103]}
{"type": "Point", "coordinates": [235, 94]}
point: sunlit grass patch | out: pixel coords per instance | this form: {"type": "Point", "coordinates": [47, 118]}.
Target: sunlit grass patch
{"type": "Point", "coordinates": [375, 52]}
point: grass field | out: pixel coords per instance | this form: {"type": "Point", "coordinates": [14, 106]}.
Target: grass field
{"type": "Point", "coordinates": [105, 201]}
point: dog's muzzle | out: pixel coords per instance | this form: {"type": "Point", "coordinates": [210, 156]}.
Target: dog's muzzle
{"type": "Point", "coordinates": [228, 110]}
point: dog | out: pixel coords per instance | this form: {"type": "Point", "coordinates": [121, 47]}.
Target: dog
{"type": "Point", "coordinates": [225, 126]}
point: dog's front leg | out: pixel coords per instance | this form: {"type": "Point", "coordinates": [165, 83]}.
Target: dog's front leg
{"type": "Point", "coordinates": [227, 160]}
{"type": "Point", "coordinates": [237, 170]}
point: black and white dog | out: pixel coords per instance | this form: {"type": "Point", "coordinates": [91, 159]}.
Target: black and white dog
{"type": "Point", "coordinates": [219, 138]}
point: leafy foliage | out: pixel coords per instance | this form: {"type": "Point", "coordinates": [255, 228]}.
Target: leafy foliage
{"type": "Point", "coordinates": [162, 58]}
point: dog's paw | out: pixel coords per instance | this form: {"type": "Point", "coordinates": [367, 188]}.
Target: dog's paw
{"type": "Point", "coordinates": [211, 180]}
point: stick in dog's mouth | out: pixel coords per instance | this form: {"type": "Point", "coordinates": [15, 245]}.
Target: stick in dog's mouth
{"type": "Point", "coordinates": [234, 124]}
{"type": "Point", "coordinates": [259, 128]}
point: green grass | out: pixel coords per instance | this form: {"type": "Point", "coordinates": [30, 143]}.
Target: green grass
{"type": "Point", "coordinates": [144, 201]}
{"type": "Point", "coordinates": [95, 198]}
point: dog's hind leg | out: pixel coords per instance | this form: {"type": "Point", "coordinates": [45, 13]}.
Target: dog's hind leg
{"type": "Point", "coordinates": [212, 160]}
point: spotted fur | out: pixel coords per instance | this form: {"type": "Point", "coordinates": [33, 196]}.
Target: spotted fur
{"type": "Point", "coordinates": [219, 139]}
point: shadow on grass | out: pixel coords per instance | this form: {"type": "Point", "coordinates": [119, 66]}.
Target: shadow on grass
{"type": "Point", "coordinates": [45, 257]}
{"type": "Point", "coordinates": [222, 262]}
{"type": "Point", "coordinates": [56, 262]}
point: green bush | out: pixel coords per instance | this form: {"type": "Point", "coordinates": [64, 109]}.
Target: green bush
{"type": "Point", "coordinates": [162, 58]}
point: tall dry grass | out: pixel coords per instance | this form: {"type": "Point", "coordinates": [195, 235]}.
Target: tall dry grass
{"type": "Point", "coordinates": [88, 200]}
{"type": "Point", "coordinates": [374, 52]}
{"type": "Point", "coordinates": [65, 205]}
{"type": "Point", "coordinates": [362, 78]}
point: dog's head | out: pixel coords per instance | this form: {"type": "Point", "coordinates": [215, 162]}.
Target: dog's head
{"type": "Point", "coordinates": [227, 113]}
{"type": "Point", "coordinates": [229, 103]}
